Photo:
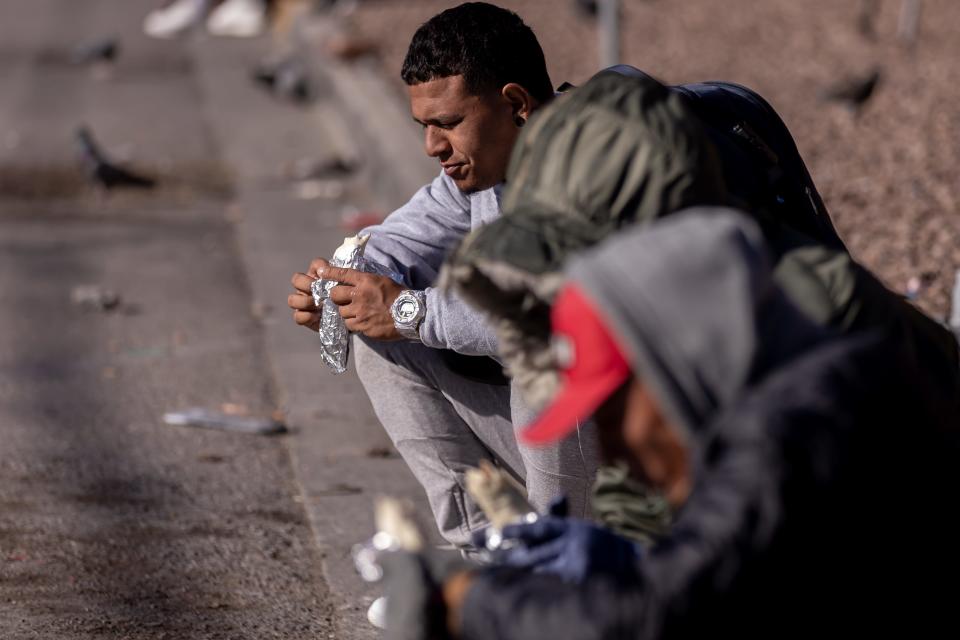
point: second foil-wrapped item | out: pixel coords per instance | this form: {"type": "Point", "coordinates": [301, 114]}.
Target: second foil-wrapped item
{"type": "Point", "coordinates": [501, 498]}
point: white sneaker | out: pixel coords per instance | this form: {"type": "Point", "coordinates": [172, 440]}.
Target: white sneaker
{"type": "Point", "coordinates": [377, 613]}
{"type": "Point", "coordinates": [175, 19]}
{"type": "Point", "coordinates": [238, 19]}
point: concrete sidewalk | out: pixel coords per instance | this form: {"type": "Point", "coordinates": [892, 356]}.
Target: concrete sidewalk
{"type": "Point", "coordinates": [341, 455]}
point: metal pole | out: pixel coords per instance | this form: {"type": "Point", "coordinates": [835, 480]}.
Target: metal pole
{"type": "Point", "coordinates": [908, 25]}
{"type": "Point", "coordinates": [608, 24]}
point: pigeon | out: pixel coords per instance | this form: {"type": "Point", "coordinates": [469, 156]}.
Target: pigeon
{"type": "Point", "coordinates": [854, 91]}
{"type": "Point", "coordinates": [96, 51]}
{"type": "Point", "coordinates": [586, 8]}
{"type": "Point", "coordinates": [104, 173]}
{"type": "Point", "coordinates": [908, 24]}
{"type": "Point", "coordinates": [288, 78]}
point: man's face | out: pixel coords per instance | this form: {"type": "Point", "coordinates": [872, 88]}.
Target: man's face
{"type": "Point", "coordinates": [632, 428]}
{"type": "Point", "coordinates": [471, 135]}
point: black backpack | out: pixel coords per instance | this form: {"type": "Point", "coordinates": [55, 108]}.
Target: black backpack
{"type": "Point", "coordinates": [761, 164]}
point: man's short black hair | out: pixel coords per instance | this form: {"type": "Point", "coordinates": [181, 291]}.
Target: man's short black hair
{"type": "Point", "coordinates": [487, 45]}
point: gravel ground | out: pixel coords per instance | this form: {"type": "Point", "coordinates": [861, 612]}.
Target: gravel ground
{"type": "Point", "coordinates": [888, 174]}
{"type": "Point", "coordinates": [112, 523]}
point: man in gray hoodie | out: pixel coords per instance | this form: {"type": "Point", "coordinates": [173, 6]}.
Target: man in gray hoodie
{"type": "Point", "coordinates": [475, 74]}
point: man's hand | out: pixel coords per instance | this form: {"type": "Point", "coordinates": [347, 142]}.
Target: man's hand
{"type": "Point", "coordinates": [364, 300]}
{"type": "Point", "coordinates": [305, 313]}
{"type": "Point", "coordinates": [455, 589]}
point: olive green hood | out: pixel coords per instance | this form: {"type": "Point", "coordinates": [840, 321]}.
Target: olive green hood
{"type": "Point", "coordinates": [617, 151]}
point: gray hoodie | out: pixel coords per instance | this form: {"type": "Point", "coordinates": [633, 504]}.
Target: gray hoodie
{"type": "Point", "coordinates": [693, 302]}
{"type": "Point", "coordinates": [415, 239]}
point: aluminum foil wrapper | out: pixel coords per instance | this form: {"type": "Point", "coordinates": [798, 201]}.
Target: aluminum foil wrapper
{"type": "Point", "coordinates": [501, 498]}
{"type": "Point", "coordinates": [397, 530]}
{"type": "Point", "coordinates": [334, 336]}
{"type": "Point", "coordinates": [375, 267]}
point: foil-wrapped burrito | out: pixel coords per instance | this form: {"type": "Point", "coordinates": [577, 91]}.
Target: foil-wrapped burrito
{"type": "Point", "coordinates": [397, 530]}
{"type": "Point", "coordinates": [501, 498]}
{"type": "Point", "coordinates": [334, 336]}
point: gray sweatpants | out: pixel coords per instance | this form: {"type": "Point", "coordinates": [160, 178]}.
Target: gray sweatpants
{"type": "Point", "coordinates": [442, 424]}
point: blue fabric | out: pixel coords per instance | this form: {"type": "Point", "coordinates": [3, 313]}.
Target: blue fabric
{"type": "Point", "coordinates": [569, 548]}
{"type": "Point", "coordinates": [761, 163]}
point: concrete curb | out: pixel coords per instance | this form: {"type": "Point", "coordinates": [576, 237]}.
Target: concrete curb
{"type": "Point", "coordinates": [340, 454]}
{"type": "Point", "coordinates": [382, 131]}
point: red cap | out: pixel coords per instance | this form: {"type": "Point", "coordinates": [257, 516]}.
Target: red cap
{"type": "Point", "coordinates": [593, 367]}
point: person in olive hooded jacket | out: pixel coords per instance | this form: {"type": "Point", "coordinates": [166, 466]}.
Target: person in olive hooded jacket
{"type": "Point", "coordinates": [624, 151]}
{"type": "Point", "coordinates": [811, 474]}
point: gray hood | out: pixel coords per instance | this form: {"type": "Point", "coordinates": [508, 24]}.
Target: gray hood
{"type": "Point", "coordinates": [692, 299]}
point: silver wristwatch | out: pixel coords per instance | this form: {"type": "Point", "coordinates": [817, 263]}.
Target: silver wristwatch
{"type": "Point", "coordinates": [408, 311]}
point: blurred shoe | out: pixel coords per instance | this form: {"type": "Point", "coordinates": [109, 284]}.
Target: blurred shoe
{"type": "Point", "coordinates": [377, 613]}
{"type": "Point", "coordinates": [174, 20]}
{"type": "Point", "coordinates": [238, 19]}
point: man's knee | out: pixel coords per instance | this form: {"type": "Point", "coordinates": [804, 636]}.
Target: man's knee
{"type": "Point", "coordinates": [377, 355]}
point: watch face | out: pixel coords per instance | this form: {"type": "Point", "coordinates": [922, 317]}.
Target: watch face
{"type": "Point", "coordinates": [407, 311]}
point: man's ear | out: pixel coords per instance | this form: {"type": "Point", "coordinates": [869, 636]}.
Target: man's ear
{"type": "Point", "coordinates": [521, 102]}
